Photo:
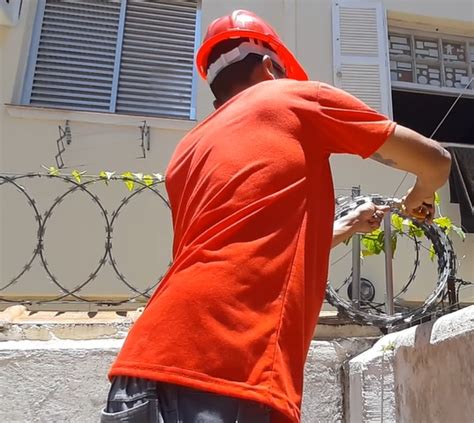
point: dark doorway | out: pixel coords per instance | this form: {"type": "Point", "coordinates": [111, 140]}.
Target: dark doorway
{"type": "Point", "coordinates": [423, 113]}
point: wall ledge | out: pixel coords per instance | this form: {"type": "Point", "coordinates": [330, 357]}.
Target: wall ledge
{"type": "Point", "coordinates": [41, 113]}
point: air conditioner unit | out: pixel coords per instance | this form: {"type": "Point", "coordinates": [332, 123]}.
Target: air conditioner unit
{"type": "Point", "coordinates": [10, 12]}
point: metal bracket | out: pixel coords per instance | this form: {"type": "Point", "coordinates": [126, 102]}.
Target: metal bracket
{"type": "Point", "coordinates": [144, 138]}
{"type": "Point", "coordinates": [64, 134]}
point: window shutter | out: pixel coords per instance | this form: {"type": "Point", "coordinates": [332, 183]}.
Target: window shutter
{"type": "Point", "coordinates": [360, 52]}
{"type": "Point", "coordinates": [76, 54]}
{"type": "Point", "coordinates": [156, 72]}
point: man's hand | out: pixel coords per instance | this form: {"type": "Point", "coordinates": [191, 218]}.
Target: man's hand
{"type": "Point", "coordinates": [365, 218]}
{"type": "Point", "coordinates": [419, 203]}
{"type": "Point", "coordinates": [368, 217]}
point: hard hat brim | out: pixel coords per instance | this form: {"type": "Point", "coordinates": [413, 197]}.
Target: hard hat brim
{"type": "Point", "coordinates": [293, 68]}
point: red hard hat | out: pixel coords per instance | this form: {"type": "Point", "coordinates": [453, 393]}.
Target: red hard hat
{"type": "Point", "coordinates": [244, 24]}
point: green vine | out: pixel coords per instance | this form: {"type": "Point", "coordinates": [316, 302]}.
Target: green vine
{"type": "Point", "coordinates": [128, 178]}
{"type": "Point", "coordinates": [373, 242]}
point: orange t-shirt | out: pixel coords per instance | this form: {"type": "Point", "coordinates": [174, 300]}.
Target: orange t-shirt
{"type": "Point", "coordinates": [253, 205]}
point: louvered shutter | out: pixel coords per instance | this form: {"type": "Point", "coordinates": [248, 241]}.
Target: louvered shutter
{"type": "Point", "coordinates": [156, 72]}
{"type": "Point", "coordinates": [360, 52]}
{"type": "Point", "coordinates": [76, 54]}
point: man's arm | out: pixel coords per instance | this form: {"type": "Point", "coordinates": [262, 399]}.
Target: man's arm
{"type": "Point", "coordinates": [427, 159]}
{"type": "Point", "coordinates": [363, 219]}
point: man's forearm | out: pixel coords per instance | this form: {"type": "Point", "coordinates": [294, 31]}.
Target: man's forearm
{"type": "Point", "coordinates": [407, 150]}
{"type": "Point", "coordinates": [342, 230]}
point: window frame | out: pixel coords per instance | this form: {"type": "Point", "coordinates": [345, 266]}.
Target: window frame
{"type": "Point", "coordinates": [439, 37]}
{"type": "Point", "coordinates": [33, 54]}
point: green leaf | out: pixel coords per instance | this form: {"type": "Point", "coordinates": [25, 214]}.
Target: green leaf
{"type": "Point", "coordinates": [77, 175]}
{"type": "Point", "coordinates": [54, 171]}
{"type": "Point", "coordinates": [397, 222]}
{"type": "Point", "coordinates": [393, 241]}
{"type": "Point", "coordinates": [373, 242]}
{"type": "Point", "coordinates": [106, 176]}
{"type": "Point", "coordinates": [414, 230]}
{"type": "Point", "coordinates": [128, 180]}
{"type": "Point", "coordinates": [437, 199]}
{"type": "Point", "coordinates": [444, 223]}
{"type": "Point", "coordinates": [389, 347]}
{"type": "Point", "coordinates": [148, 180]}
{"type": "Point", "coordinates": [432, 252]}
{"type": "Point", "coordinates": [380, 236]}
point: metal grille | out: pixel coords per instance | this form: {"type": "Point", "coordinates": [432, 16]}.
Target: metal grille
{"type": "Point", "coordinates": [76, 54]}
{"type": "Point", "coordinates": [85, 47]}
{"type": "Point", "coordinates": [156, 72]}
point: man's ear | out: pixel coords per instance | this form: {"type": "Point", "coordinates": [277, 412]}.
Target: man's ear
{"type": "Point", "coordinates": [268, 68]}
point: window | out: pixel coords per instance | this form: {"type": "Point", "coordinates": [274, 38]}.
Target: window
{"type": "Point", "coordinates": [423, 60]}
{"type": "Point", "coordinates": [119, 56]}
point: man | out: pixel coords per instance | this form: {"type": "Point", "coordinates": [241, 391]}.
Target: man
{"type": "Point", "coordinates": [225, 336]}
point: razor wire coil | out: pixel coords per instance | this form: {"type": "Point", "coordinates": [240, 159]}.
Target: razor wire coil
{"type": "Point", "coordinates": [371, 314]}
{"type": "Point", "coordinates": [109, 220]}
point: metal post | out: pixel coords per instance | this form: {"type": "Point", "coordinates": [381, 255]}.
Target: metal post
{"type": "Point", "coordinates": [356, 260]}
{"type": "Point", "coordinates": [387, 222]}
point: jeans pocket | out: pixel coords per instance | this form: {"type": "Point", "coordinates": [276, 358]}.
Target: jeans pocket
{"type": "Point", "coordinates": [141, 413]}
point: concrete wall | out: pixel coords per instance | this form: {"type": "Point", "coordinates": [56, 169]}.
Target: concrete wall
{"type": "Point", "coordinates": [421, 374]}
{"type": "Point", "coordinates": [65, 380]}
{"type": "Point", "coordinates": [103, 142]}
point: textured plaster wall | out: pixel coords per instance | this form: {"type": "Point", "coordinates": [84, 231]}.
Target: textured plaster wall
{"type": "Point", "coordinates": [54, 381]}
{"type": "Point", "coordinates": [421, 374]}
{"type": "Point", "coordinates": [325, 384]}
{"type": "Point", "coordinates": [65, 380]}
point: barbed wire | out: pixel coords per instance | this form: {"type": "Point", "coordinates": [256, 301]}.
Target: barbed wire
{"type": "Point", "coordinates": [43, 220]}
{"type": "Point", "coordinates": [371, 314]}
{"type": "Point", "coordinates": [81, 182]}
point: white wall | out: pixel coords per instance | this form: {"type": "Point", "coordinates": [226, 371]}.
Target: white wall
{"type": "Point", "coordinates": [100, 142]}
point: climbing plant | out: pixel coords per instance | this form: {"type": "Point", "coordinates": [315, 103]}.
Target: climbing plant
{"type": "Point", "coordinates": [373, 242]}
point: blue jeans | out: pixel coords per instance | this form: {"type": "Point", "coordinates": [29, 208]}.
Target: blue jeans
{"type": "Point", "coordinates": [135, 400]}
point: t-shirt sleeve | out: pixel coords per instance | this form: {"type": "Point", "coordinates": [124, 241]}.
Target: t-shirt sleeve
{"type": "Point", "coordinates": [348, 125]}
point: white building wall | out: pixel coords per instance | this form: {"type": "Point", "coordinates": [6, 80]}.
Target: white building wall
{"type": "Point", "coordinates": [101, 142]}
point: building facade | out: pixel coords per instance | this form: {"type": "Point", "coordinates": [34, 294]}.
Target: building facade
{"type": "Point", "coordinates": [117, 78]}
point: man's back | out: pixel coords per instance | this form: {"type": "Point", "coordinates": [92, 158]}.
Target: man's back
{"type": "Point", "coordinates": [252, 202]}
